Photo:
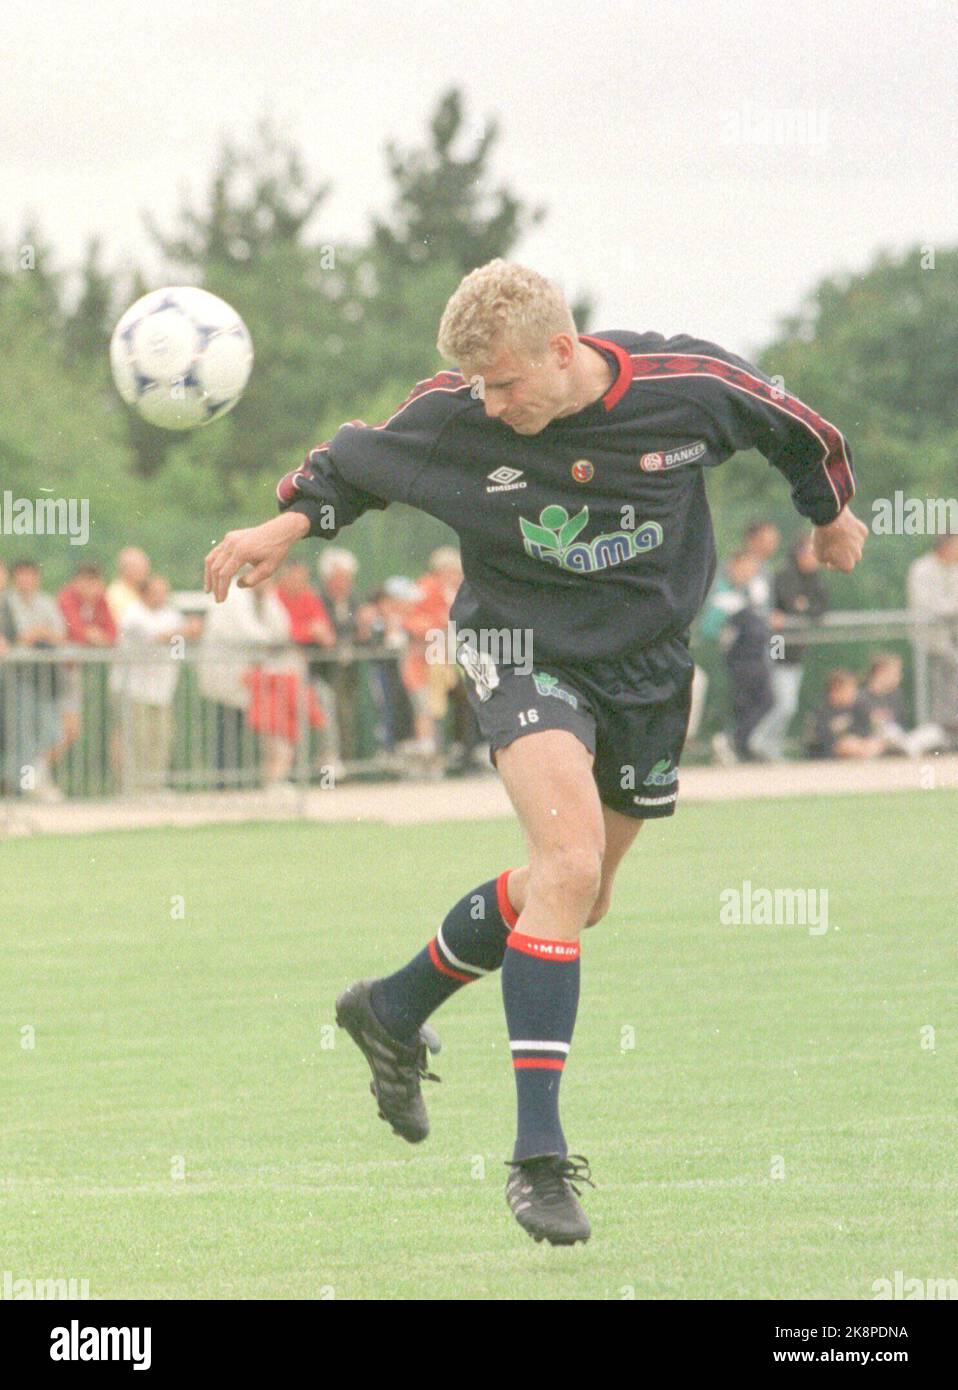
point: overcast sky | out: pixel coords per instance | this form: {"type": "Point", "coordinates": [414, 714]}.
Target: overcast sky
{"type": "Point", "coordinates": [704, 161]}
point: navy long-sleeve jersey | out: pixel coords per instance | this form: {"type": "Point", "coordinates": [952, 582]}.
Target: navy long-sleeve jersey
{"type": "Point", "coordinates": [595, 533]}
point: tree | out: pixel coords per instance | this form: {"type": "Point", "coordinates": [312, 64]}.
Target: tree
{"type": "Point", "coordinates": [33, 282]}
{"type": "Point", "coordinates": [448, 215]}
{"type": "Point", "coordinates": [260, 197]}
{"type": "Point", "coordinates": [87, 329]}
{"type": "Point", "coordinates": [248, 242]}
{"type": "Point", "coordinates": [443, 208]}
{"type": "Point", "coordinates": [881, 347]}
{"type": "Point", "coordinates": [876, 354]}
{"type": "Point", "coordinates": [339, 331]}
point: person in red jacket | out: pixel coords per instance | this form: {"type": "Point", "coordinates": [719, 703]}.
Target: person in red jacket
{"type": "Point", "coordinates": [89, 623]}
{"type": "Point", "coordinates": [309, 622]}
{"type": "Point", "coordinates": [311, 626]}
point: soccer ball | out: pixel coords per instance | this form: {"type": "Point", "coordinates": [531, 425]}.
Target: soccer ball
{"type": "Point", "coordinates": [181, 357]}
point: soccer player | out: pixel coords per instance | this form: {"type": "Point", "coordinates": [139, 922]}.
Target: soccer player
{"type": "Point", "coordinates": [572, 467]}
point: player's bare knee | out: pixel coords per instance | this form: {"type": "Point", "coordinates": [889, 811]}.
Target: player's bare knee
{"type": "Point", "coordinates": [571, 874]}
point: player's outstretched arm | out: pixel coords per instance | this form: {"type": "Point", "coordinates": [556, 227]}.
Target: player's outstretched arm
{"type": "Point", "coordinates": [838, 544]}
{"type": "Point", "coordinates": [264, 547]}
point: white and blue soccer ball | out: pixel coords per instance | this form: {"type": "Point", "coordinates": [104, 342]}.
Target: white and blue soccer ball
{"type": "Point", "coordinates": [181, 357]}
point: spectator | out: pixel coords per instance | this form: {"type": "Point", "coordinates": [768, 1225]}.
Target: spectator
{"type": "Point", "coordinates": [32, 620]}
{"type": "Point", "coordinates": [884, 711]}
{"type": "Point", "coordinates": [282, 704]}
{"type": "Point", "coordinates": [89, 623]}
{"type": "Point", "coordinates": [435, 683]}
{"type": "Point", "coordinates": [839, 728]}
{"type": "Point", "coordinates": [382, 622]}
{"type": "Point", "coordinates": [337, 579]}
{"type": "Point", "coordinates": [310, 626]}
{"type": "Point", "coordinates": [309, 622]}
{"type": "Point", "coordinates": [797, 593]}
{"type": "Point", "coordinates": [933, 594]}
{"type": "Point", "coordinates": [146, 683]}
{"type": "Point", "coordinates": [85, 609]}
{"type": "Point", "coordinates": [761, 539]}
{"type": "Point", "coordinates": [235, 630]}
{"type": "Point", "coordinates": [132, 572]}
{"type": "Point", "coordinates": [727, 596]}
{"type": "Point", "coordinates": [743, 633]}
{"type": "Point", "coordinates": [337, 574]}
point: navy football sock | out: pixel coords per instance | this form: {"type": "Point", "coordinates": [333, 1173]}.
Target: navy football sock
{"type": "Point", "coordinates": [470, 943]}
{"type": "Point", "coordinates": [540, 991]}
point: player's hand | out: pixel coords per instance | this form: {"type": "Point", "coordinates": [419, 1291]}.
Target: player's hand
{"type": "Point", "coordinates": [839, 544]}
{"type": "Point", "coordinates": [264, 547]}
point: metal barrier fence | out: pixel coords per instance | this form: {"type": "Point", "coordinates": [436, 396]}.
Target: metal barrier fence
{"type": "Point", "coordinates": [885, 625]}
{"type": "Point", "coordinates": [187, 716]}
{"type": "Point", "coordinates": [849, 639]}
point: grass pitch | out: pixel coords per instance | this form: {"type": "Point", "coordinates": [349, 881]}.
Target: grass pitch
{"type": "Point", "coordinates": [766, 1111]}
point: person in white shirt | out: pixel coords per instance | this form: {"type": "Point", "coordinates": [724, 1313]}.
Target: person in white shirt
{"type": "Point", "coordinates": [234, 636]}
{"type": "Point", "coordinates": [145, 679]}
{"type": "Point", "coordinates": [132, 572]}
{"type": "Point", "coordinates": [933, 594]}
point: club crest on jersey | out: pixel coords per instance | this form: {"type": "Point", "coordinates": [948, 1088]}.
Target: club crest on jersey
{"type": "Point", "coordinates": [554, 538]}
{"type": "Point", "coordinates": [582, 470]}
{"type": "Point", "coordinates": [661, 459]}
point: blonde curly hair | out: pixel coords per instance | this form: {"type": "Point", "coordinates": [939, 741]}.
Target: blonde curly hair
{"type": "Point", "coordinates": [502, 302]}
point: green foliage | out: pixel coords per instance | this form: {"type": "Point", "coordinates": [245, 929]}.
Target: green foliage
{"type": "Point", "coordinates": [443, 209]}
{"type": "Point", "coordinates": [260, 197]}
{"type": "Point", "coordinates": [86, 331]}
{"type": "Point", "coordinates": [880, 348]}
{"type": "Point", "coordinates": [342, 330]}
{"type": "Point", "coordinates": [877, 354]}
{"type": "Point", "coordinates": [29, 283]}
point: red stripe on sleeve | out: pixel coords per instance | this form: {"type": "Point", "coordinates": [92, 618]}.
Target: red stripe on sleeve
{"type": "Point", "coordinates": [834, 456]}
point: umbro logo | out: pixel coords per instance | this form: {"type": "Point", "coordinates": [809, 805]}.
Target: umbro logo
{"type": "Point", "coordinates": [505, 480]}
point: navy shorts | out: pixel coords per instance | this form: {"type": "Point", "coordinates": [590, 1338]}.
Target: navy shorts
{"type": "Point", "coordinates": [631, 712]}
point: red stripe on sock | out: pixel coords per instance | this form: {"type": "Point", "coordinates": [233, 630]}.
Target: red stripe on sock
{"type": "Point", "coordinates": [506, 910]}
{"type": "Point", "coordinates": [561, 951]}
{"type": "Point", "coordinates": [549, 1063]}
{"type": "Point", "coordinates": [445, 969]}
